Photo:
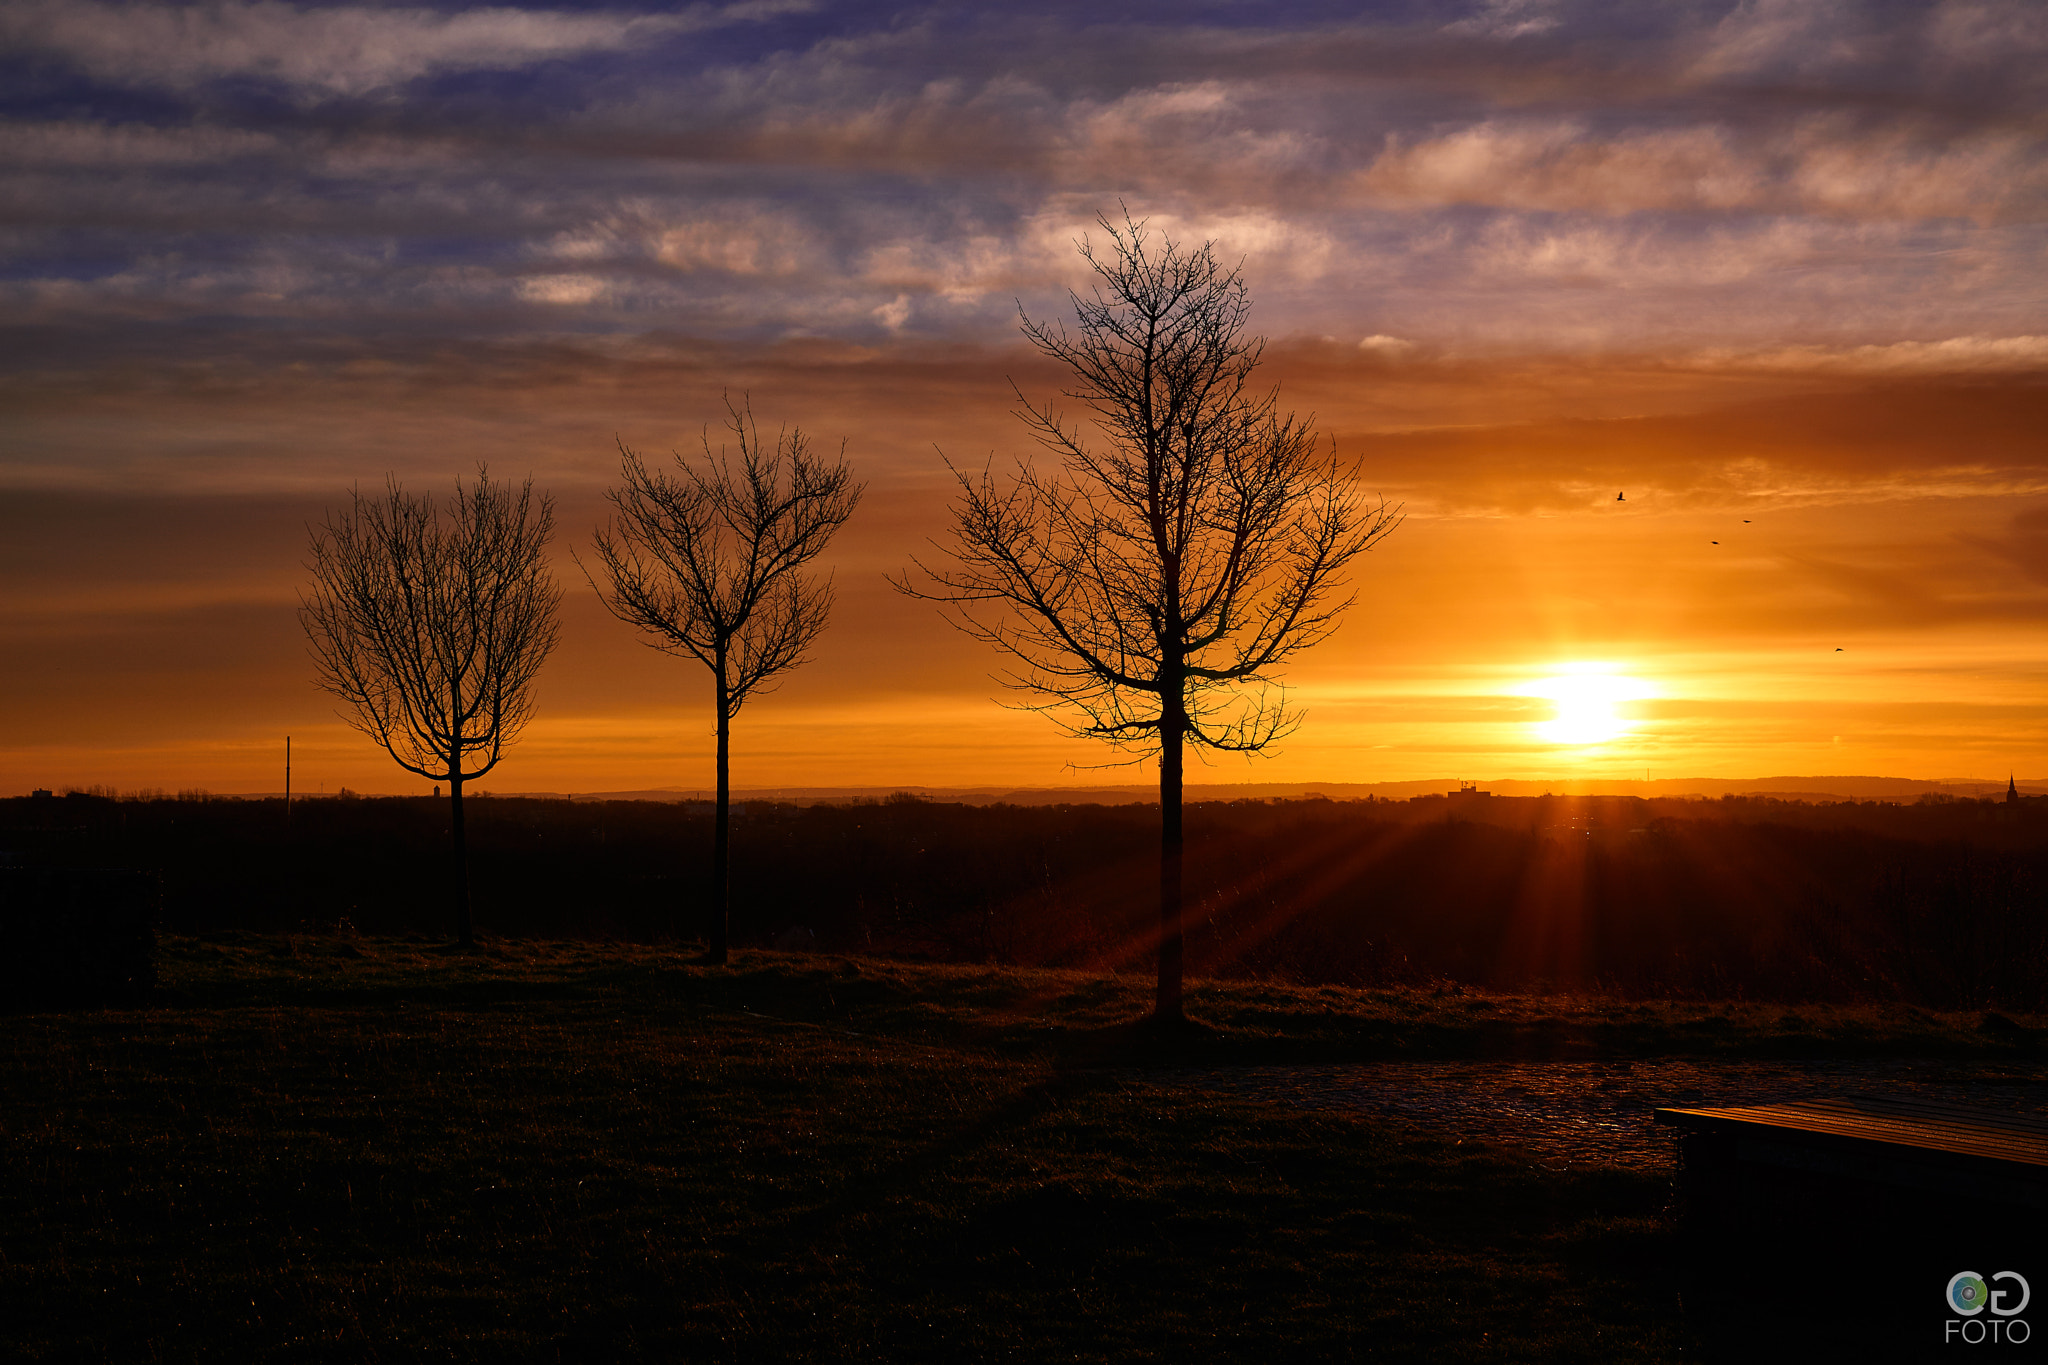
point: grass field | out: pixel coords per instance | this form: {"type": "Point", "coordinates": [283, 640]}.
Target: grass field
{"type": "Point", "coordinates": [326, 1148]}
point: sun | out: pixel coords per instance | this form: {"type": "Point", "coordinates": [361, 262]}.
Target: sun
{"type": "Point", "coordinates": [1589, 700]}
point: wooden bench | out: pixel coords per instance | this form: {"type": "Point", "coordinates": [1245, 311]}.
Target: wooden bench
{"type": "Point", "coordinates": [1898, 1143]}
{"type": "Point", "coordinates": [1834, 1222]}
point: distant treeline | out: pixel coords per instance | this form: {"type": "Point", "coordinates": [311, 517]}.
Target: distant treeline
{"type": "Point", "coordinates": [1938, 904]}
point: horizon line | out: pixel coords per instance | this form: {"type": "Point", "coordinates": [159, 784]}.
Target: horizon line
{"type": "Point", "coordinates": [1839, 786]}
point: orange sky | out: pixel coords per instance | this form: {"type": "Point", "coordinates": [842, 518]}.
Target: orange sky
{"type": "Point", "coordinates": [1898, 522]}
{"type": "Point", "coordinates": [1775, 271]}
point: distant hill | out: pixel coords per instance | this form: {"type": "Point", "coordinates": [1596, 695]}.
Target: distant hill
{"type": "Point", "coordinates": [1812, 789]}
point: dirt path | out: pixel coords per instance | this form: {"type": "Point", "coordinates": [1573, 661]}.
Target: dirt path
{"type": "Point", "coordinates": [1566, 1114]}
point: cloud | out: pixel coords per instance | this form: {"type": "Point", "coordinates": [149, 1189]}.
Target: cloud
{"type": "Point", "coordinates": [1949, 356]}
{"type": "Point", "coordinates": [1904, 172]}
{"type": "Point", "coordinates": [1508, 19]}
{"type": "Point", "coordinates": [79, 144]}
{"type": "Point", "coordinates": [738, 241]}
{"type": "Point", "coordinates": [561, 289]}
{"type": "Point", "coordinates": [1784, 36]}
{"type": "Point", "coordinates": [1560, 165]}
{"type": "Point", "coordinates": [1965, 32]}
{"type": "Point", "coordinates": [894, 313]}
{"type": "Point", "coordinates": [1392, 348]}
{"type": "Point", "coordinates": [2024, 546]}
{"type": "Point", "coordinates": [1865, 445]}
{"type": "Point", "coordinates": [346, 50]}
{"type": "Point", "coordinates": [1487, 189]}
{"type": "Point", "coordinates": [1824, 164]}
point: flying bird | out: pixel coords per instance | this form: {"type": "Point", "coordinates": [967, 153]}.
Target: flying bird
{"type": "Point", "coordinates": [1621, 497]}
{"type": "Point", "coordinates": [1713, 542]}
{"type": "Point", "coordinates": [1838, 649]}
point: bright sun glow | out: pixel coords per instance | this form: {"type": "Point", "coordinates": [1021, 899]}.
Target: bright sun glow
{"type": "Point", "coordinates": [1589, 699]}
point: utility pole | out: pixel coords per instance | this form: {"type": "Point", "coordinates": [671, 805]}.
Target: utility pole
{"type": "Point", "coordinates": [287, 781]}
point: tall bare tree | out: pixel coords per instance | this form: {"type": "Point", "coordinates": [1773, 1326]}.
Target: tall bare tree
{"type": "Point", "coordinates": [1193, 547]}
{"type": "Point", "coordinates": [709, 563]}
{"type": "Point", "coordinates": [431, 625]}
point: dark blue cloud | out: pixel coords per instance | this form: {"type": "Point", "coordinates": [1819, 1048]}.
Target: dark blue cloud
{"type": "Point", "coordinates": [1518, 174]}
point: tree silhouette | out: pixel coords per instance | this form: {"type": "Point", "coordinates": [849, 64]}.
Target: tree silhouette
{"type": "Point", "coordinates": [1153, 576]}
{"type": "Point", "coordinates": [432, 628]}
{"type": "Point", "coordinates": [710, 564]}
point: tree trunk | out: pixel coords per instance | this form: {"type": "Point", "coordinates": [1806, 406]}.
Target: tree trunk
{"type": "Point", "coordinates": [1167, 1008]}
{"type": "Point", "coordinates": [721, 828]}
{"type": "Point", "coordinates": [460, 869]}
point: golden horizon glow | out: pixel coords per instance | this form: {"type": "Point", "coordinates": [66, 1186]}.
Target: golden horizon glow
{"type": "Point", "coordinates": [1902, 638]}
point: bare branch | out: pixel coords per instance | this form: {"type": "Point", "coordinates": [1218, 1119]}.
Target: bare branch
{"type": "Point", "coordinates": [1196, 544]}
{"type": "Point", "coordinates": [708, 560]}
{"type": "Point", "coordinates": [431, 625]}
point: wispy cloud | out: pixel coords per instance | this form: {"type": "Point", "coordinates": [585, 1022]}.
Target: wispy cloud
{"type": "Point", "coordinates": [342, 50]}
{"type": "Point", "coordinates": [2022, 546]}
{"type": "Point", "coordinates": [77, 144]}
{"type": "Point", "coordinates": [1822, 164]}
{"type": "Point", "coordinates": [1963, 355]}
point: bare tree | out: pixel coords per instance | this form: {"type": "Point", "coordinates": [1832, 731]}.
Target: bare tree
{"type": "Point", "coordinates": [1155, 574]}
{"type": "Point", "coordinates": [709, 563]}
{"type": "Point", "coordinates": [431, 627]}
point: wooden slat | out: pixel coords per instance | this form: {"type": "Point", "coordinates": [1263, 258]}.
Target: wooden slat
{"type": "Point", "coordinates": [1884, 1121]}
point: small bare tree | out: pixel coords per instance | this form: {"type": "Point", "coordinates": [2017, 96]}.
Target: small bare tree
{"type": "Point", "coordinates": [431, 627]}
{"type": "Point", "coordinates": [1195, 548]}
{"type": "Point", "coordinates": [709, 563]}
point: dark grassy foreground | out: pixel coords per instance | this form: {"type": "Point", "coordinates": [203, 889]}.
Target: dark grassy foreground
{"type": "Point", "coordinates": [377, 1150]}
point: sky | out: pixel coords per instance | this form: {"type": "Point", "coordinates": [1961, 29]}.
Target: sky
{"type": "Point", "coordinates": [1775, 270]}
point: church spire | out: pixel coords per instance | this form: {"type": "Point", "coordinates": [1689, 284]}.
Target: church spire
{"type": "Point", "coordinates": [2012, 790]}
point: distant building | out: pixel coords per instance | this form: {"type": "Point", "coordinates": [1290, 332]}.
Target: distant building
{"type": "Point", "coordinates": [2012, 790]}
{"type": "Point", "coordinates": [41, 793]}
{"type": "Point", "coordinates": [1468, 789]}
